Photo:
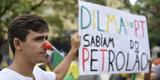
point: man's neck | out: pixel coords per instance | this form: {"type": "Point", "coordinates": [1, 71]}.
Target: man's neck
{"type": "Point", "coordinates": [22, 67]}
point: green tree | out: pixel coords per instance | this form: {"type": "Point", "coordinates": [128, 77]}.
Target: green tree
{"type": "Point", "coordinates": [60, 14]}
{"type": "Point", "coordinates": [11, 8]}
{"type": "Point", "coordinates": [64, 17]}
{"type": "Point", "coordinates": [102, 2]}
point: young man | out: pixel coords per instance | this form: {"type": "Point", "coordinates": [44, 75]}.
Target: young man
{"type": "Point", "coordinates": [27, 35]}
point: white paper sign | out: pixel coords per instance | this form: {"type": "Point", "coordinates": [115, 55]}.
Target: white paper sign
{"type": "Point", "coordinates": [112, 41]}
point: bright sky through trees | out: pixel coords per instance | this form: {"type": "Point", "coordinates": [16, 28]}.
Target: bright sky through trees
{"type": "Point", "coordinates": [133, 1]}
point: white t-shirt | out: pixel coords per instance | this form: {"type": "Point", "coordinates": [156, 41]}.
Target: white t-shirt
{"type": "Point", "coordinates": [8, 74]}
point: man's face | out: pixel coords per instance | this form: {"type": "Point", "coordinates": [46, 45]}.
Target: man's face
{"type": "Point", "coordinates": [32, 48]}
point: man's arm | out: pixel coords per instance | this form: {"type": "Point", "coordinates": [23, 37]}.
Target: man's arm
{"type": "Point", "coordinates": [63, 67]}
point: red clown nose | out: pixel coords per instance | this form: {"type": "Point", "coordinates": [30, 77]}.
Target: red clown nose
{"type": "Point", "coordinates": [47, 46]}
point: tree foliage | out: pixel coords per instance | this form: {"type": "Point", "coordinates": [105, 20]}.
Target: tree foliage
{"type": "Point", "coordinates": [11, 8]}
{"type": "Point", "coordinates": [64, 16]}
{"type": "Point", "coordinates": [60, 14]}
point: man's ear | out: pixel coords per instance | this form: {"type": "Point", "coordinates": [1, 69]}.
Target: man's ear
{"type": "Point", "coordinates": [17, 43]}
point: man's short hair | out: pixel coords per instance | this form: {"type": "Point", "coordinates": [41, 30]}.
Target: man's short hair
{"type": "Point", "coordinates": [20, 26]}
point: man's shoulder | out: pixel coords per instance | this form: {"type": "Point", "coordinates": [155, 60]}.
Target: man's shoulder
{"type": "Point", "coordinates": [8, 74]}
{"type": "Point", "coordinates": [38, 71]}
{"type": "Point", "coordinates": [4, 74]}
{"type": "Point", "coordinates": [43, 75]}
{"type": "Point", "coordinates": [4, 71]}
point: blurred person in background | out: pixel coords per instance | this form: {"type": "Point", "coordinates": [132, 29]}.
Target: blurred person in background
{"type": "Point", "coordinates": [155, 70]}
{"type": "Point", "coordinates": [156, 61]}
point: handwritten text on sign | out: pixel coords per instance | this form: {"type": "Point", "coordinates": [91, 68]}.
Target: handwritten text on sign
{"type": "Point", "coordinates": [112, 41]}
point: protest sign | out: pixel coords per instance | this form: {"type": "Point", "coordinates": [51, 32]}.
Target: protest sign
{"type": "Point", "coordinates": [112, 41]}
